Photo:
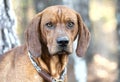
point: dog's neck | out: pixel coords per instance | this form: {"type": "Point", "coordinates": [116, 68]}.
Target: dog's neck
{"type": "Point", "coordinates": [53, 65]}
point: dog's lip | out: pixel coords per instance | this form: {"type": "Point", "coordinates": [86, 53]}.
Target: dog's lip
{"type": "Point", "coordinates": [63, 52]}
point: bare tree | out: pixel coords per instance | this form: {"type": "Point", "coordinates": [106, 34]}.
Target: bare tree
{"type": "Point", "coordinates": [8, 38]}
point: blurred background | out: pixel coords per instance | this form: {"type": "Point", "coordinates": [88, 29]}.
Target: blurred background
{"type": "Point", "coordinates": [102, 17]}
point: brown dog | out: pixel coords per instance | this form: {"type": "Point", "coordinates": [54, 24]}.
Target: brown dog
{"type": "Point", "coordinates": [49, 41]}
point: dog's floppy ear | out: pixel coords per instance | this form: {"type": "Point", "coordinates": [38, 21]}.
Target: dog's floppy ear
{"type": "Point", "coordinates": [32, 36]}
{"type": "Point", "coordinates": [83, 37]}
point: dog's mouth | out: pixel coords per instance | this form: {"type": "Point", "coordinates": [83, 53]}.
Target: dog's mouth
{"type": "Point", "coordinates": [57, 50]}
{"type": "Point", "coordinates": [63, 50]}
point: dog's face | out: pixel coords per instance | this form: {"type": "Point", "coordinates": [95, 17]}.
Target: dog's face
{"type": "Point", "coordinates": [57, 27]}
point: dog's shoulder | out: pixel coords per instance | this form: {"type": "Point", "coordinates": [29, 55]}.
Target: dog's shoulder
{"type": "Point", "coordinates": [10, 56]}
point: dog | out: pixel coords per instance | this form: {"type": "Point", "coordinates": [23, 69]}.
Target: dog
{"type": "Point", "coordinates": [48, 43]}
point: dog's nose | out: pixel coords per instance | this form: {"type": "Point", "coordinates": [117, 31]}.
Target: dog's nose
{"type": "Point", "coordinates": [62, 41]}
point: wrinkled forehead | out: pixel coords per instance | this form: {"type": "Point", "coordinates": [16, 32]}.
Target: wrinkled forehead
{"type": "Point", "coordinates": [59, 13]}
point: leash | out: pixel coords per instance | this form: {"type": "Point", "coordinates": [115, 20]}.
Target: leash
{"type": "Point", "coordinates": [45, 75]}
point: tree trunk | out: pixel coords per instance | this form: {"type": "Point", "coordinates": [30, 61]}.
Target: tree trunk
{"type": "Point", "coordinates": [8, 38]}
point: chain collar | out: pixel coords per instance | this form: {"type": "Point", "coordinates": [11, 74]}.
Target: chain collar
{"type": "Point", "coordinates": [45, 75]}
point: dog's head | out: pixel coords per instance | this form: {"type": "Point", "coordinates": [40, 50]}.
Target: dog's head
{"type": "Point", "coordinates": [55, 29]}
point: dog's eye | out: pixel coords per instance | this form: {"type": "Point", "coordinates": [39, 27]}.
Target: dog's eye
{"type": "Point", "coordinates": [70, 24]}
{"type": "Point", "coordinates": [50, 25]}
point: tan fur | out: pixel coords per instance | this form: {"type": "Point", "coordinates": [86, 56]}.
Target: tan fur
{"type": "Point", "coordinates": [15, 65]}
